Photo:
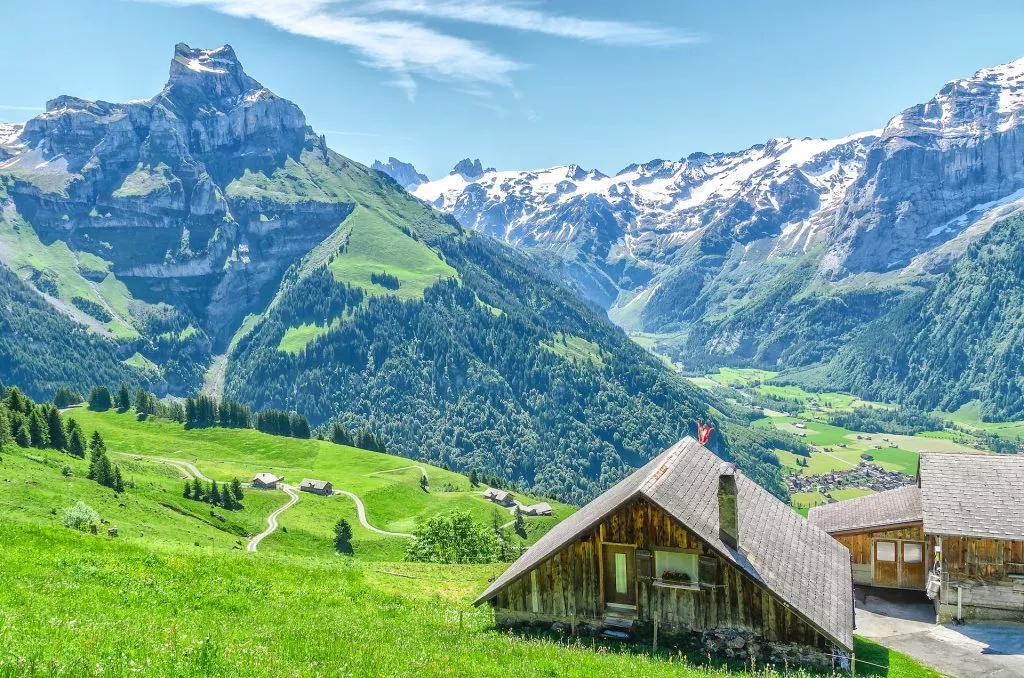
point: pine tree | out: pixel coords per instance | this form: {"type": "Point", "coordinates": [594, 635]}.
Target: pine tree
{"type": "Point", "coordinates": [117, 482]}
{"type": "Point", "coordinates": [76, 441]}
{"type": "Point", "coordinates": [473, 480]}
{"type": "Point", "coordinates": [99, 398]}
{"type": "Point", "coordinates": [520, 526]}
{"type": "Point", "coordinates": [424, 485]}
{"type": "Point", "coordinates": [21, 435]}
{"type": "Point", "coordinates": [38, 430]}
{"type": "Point", "coordinates": [5, 428]}
{"type": "Point", "coordinates": [97, 452]}
{"type": "Point", "coordinates": [343, 536]}
{"type": "Point", "coordinates": [197, 489]}
{"type": "Point", "coordinates": [215, 498]}
{"type": "Point", "coordinates": [188, 490]}
{"type": "Point", "coordinates": [58, 439]}
{"type": "Point", "coordinates": [65, 397]}
{"type": "Point", "coordinates": [236, 489]}
{"type": "Point", "coordinates": [104, 473]}
{"type": "Point", "coordinates": [124, 398]}
{"type": "Point", "coordinates": [142, 402]}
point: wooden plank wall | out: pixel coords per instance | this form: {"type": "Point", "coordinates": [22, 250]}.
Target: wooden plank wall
{"type": "Point", "coordinates": [988, 559]}
{"type": "Point", "coordinates": [859, 543]}
{"type": "Point", "coordinates": [570, 585]}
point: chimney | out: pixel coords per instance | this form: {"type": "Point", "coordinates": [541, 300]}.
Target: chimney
{"type": "Point", "coordinates": [728, 509]}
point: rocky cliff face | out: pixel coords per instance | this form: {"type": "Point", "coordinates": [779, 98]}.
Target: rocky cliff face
{"type": "Point", "coordinates": [402, 172]}
{"type": "Point", "coordinates": [932, 163]}
{"type": "Point", "coordinates": [160, 189]}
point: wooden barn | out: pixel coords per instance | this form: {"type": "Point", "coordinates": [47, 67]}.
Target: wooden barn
{"type": "Point", "coordinates": [265, 481]}
{"type": "Point", "coordinates": [885, 535]}
{"type": "Point", "coordinates": [688, 546]}
{"type": "Point", "coordinates": [321, 487]}
{"type": "Point", "coordinates": [965, 513]}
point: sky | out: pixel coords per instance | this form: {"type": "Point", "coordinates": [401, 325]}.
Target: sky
{"type": "Point", "coordinates": [524, 84]}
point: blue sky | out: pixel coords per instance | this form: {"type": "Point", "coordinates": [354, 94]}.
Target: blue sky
{"type": "Point", "coordinates": [531, 83]}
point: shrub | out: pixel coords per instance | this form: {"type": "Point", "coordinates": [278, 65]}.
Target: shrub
{"type": "Point", "coordinates": [80, 516]}
{"type": "Point", "coordinates": [453, 538]}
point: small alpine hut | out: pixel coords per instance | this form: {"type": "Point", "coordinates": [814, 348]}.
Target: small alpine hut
{"type": "Point", "coordinates": [688, 546]}
{"type": "Point", "coordinates": [321, 487]}
{"type": "Point", "coordinates": [265, 481]}
{"type": "Point", "coordinates": [958, 534]}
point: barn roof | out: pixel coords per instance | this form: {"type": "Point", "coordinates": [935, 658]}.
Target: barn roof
{"type": "Point", "coordinates": [315, 484]}
{"type": "Point", "coordinates": [973, 495]}
{"type": "Point", "coordinates": [265, 478]}
{"type": "Point", "coordinates": [799, 563]}
{"type": "Point", "coordinates": [889, 508]}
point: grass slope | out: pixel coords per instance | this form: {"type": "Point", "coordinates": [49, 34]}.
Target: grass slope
{"type": "Point", "coordinates": [175, 594]}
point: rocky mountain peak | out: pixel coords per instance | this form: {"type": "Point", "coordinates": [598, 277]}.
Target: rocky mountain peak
{"type": "Point", "coordinates": [469, 169]}
{"type": "Point", "coordinates": [216, 73]}
{"type": "Point", "coordinates": [402, 172]}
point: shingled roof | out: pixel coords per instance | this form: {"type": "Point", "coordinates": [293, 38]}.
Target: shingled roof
{"type": "Point", "coordinates": [799, 563]}
{"type": "Point", "coordinates": [973, 495]}
{"type": "Point", "coordinates": [890, 508]}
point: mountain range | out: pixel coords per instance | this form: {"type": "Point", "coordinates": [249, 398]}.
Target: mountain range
{"type": "Point", "coordinates": [207, 238]}
{"type": "Point", "coordinates": [784, 254]}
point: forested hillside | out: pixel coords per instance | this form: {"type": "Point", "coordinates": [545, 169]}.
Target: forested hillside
{"type": "Point", "coordinates": [41, 349]}
{"type": "Point", "coordinates": [960, 341]}
{"type": "Point", "coordinates": [503, 370]}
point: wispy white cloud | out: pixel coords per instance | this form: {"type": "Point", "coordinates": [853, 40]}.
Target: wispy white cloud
{"type": "Point", "coordinates": [12, 107]}
{"type": "Point", "coordinates": [393, 35]}
{"type": "Point", "coordinates": [526, 17]}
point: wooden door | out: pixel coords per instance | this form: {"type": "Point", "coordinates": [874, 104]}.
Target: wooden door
{"type": "Point", "coordinates": [619, 575]}
{"type": "Point", "coordinates": [885, 555]}
{"type": "Point", "coordinates": [912, 565]}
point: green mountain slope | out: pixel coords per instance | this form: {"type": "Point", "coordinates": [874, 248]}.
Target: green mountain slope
{"type": "Point", "coordinates": [210, 220]}
{"type": "Point", "coordinates": [41, 348]}
{"type": "Point", "coordinates": [961, 340]}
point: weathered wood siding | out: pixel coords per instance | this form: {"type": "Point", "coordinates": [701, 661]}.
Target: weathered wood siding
{"type": "Point", "coordinates": [981, 569]}
{"type": "Point", "coordinates": [861, 545]}
{"type": "Point", "coordinates": [568, 585]}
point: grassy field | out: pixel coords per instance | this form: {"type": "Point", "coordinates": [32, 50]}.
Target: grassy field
{"type": "Point", "coordinates": [176, 594]}
{"type": "Point", "coordinates": [574, 348]}
{"type": "Point", "coordinates": [969, 416]}
{"type": "Point", "coordinates": [73, 604]}
{"type": "Point", "coordinates": [376, 246]}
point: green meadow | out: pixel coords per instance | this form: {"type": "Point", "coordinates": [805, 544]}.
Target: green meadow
{"type": "Point", "coordinates": [176, 593]}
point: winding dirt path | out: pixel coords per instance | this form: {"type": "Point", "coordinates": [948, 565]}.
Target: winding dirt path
{"type": "Point", "coordinates": [187, 468]}
{"type": "Point", "coordinates": [423, 471]}
{"type": "Point", "coordinates": [272, 519]}
{"type": "Point", "coordinates": [361, 510]}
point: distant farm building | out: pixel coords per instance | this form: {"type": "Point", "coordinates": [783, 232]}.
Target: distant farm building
{"type": "Point", "coordinates": [957, 534]}
{"type": "Point", "coordinates": [316, 486]}
{"type": "Point", "coordinates": [500, 497]}
{"type": "Point", "coordinates": [265, 481]}
{"type": "Point", "coordinates": [541, 509]}
{"type": "Point", "coordinates": [688, 546]}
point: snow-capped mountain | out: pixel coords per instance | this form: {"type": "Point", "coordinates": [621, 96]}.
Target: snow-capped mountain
{"type": "Point", "coordinates": [724, 254]}
{"type": "Point", "coordinates": [635, 221]}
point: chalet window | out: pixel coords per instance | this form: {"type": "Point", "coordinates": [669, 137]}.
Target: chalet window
{"type": "Point", "coordinates": [620, 572]}
{"type": "Point", "coordinates": [677, 566]}
{"type": "Point", "coordinates": [885, 551]}
{"type": "Point", "coordinates": [912, 553]}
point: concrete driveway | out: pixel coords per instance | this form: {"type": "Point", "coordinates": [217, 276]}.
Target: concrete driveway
{"type": "Point", "coordinates": [905, 621]}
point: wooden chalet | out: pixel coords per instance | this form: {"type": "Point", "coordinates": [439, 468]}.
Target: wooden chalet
{"type": "Point", "coordinates": [321, 487]}
{"type": "Point", "coordinates": [958, 533]}
{"type": "Point", "coordinates": [500, 497]}
{"type": "Point", "coordinates": [687, 545]}
{"type": "Point", "coordinates": [265, 481]}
